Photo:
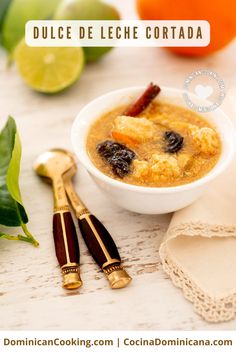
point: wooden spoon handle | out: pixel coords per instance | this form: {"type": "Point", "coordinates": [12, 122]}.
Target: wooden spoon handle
{"type": "Point", "coordinates": [103, 249]}
{"type": "Point", "coordinates": [67, 248]}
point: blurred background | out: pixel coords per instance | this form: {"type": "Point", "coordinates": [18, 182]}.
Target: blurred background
{"type": "Point", "coordinates": [103, 69]}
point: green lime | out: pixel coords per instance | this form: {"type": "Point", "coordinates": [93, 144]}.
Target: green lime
{"type": "Point", "coordinates": [49, 69]}
{"type": "Point", "coordinates": [87, 10]}
{"type": "Point", "coordinates": [4, 5]}
{"type": "Point", "coordinates": [21, 11]}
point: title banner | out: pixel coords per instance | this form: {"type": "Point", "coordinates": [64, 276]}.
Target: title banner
{"type": "Point", "coordinates": [133, 33]}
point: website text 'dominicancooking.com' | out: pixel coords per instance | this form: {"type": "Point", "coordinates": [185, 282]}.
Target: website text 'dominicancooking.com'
{"type": "Point", "coordinates": [124, 342]}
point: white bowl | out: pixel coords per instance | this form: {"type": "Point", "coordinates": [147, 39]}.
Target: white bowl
{"type": "Point", "coordinates": [149, 200]}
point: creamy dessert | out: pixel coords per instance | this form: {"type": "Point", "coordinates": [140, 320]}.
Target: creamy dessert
{"type": "Point", "coordinates": [153, 143]}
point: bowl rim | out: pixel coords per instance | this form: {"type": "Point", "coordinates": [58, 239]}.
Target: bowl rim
{"type": "Point", "coordinates": [220, 166]}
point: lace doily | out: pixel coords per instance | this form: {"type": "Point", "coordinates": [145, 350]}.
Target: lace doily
{"type": "Point", "coordinates": [212, 310]}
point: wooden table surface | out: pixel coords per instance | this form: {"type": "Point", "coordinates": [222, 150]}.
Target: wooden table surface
{"type": "Point", "coordinates": [31, 296]}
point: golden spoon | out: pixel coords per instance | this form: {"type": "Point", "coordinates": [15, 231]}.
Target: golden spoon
{"type": "Point", "coordinates": [52, 165]}
{"type": "Point", "coordinates": [98, 240]}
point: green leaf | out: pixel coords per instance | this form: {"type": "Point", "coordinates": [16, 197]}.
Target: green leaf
{"type": "Point", "coordinates": [12, 211]}
{"type": "Point", "coordinates": [13, 172]}
{"type": "Point", "coordinates": [19, 13]}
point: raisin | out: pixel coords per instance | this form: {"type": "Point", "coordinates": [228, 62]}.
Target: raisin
{"type": "Point", "coordinates": [126, 155]}
{"type": "Point", "coordinates": [119, 166]}
{"type": "Point", "coordinates": [107, 148]}
{"type": "Point", "coordinates": [174, 141]}
{"type": "Point", "coordinates": [117, 155]}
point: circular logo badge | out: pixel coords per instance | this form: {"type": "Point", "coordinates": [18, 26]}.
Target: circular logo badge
{"type": "Point", "coordinates": [206, 85]}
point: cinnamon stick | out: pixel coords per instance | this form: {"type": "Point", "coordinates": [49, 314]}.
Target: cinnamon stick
{"type": "Point", "coordinates": [143, 101]}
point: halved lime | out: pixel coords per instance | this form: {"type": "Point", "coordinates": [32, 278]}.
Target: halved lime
{"type": "Point", "coordinates": [49, 69]}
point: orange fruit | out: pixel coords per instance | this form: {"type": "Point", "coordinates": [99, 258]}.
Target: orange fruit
{"type": "Point", "coordinates": [221, 14]}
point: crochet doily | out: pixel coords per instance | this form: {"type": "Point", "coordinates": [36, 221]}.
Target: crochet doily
{"type": "Point", "coordinates": [212, 310]}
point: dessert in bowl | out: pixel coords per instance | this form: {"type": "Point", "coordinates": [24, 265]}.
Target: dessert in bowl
{"type": "Point", "coordinates": [152, 155]}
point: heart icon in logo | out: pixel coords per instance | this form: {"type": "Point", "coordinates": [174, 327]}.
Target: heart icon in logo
{"type": "Point", "coordinates": [203, 91]}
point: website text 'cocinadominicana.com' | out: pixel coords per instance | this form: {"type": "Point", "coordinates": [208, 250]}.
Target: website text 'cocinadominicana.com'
{"type": "Point", "coordinates": [118, 342]}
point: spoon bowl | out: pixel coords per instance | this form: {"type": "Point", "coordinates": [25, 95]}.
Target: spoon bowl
{"type": "Point", "coordinates": [53, 163]}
